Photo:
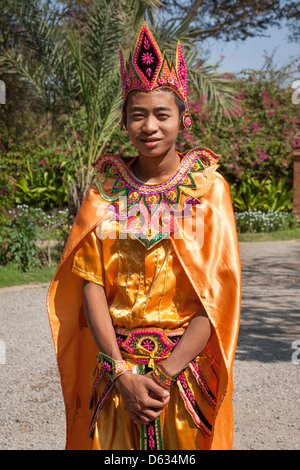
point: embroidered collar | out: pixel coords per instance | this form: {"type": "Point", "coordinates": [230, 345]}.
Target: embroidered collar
{"type": "Point", "coordinates": [154, 205]}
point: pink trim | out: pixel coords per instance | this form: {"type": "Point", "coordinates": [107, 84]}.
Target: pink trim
{"type": "Point", "coordinates": [189, 401]}
{"type": "Point", "coordinates": [187, 161]}
{"type": "Point", "coordinates": [181, 68]}
{"type": "Point", "coordinates": [202, 382]}
{"type": "Point", "coordinates": [101, 403]}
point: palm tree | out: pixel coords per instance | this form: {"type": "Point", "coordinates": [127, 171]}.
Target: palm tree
{"type": "Point", "coordinates": [74, 72]}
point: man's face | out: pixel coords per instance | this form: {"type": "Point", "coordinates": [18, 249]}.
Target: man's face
{"type": "Point", "coordinates": [153, 122]}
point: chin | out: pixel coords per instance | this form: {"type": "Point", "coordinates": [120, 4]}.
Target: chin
{"type": "Point", "coordinates": [153, 153]}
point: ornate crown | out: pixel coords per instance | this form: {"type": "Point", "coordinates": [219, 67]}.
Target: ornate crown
{"type": "Point", "coordinates": [149, 69]}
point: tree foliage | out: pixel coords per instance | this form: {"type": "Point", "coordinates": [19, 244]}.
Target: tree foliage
{"type": "Point", "coordinates": [72, 70]}
{"type": "Point", "coordinates": [231, 20]}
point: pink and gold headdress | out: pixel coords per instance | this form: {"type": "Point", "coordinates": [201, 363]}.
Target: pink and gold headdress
{"type": "Point", "coordinates": [148, 69]}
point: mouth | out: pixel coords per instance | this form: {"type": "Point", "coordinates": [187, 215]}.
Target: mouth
{"type": "Point", "coordinates": [151, 141]}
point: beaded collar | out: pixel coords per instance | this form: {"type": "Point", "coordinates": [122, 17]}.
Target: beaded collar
{"type": "Point", "coordinates": [149, 212]}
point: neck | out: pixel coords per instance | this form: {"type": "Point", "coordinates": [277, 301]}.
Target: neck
{"type": "Point", "coordinates": [155, 169]}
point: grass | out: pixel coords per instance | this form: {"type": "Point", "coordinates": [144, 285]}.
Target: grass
{"type": "Point", "coordinates": [280, 235]}
{"type": "Point", "coordinates": [10, 276]}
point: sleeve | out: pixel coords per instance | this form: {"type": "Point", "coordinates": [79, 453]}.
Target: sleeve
{"type": "Point", "coordinates": [87, 262]}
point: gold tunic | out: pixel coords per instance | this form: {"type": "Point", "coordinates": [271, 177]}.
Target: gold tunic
{"type": "Point", "coordinates": [143, 287]}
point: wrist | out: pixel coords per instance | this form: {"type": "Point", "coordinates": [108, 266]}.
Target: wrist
{"type": "Point", "coordinates": [163, 377]}
{"type": "Point", "coordinates": [123, 380]}
{"type": "Point", "coordinates": [172, 368]}
{"type": "Point", "coordinates": [113, 368]}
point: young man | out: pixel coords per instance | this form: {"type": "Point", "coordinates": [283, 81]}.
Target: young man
{"type": "Point", "coordinates": [150, 278]}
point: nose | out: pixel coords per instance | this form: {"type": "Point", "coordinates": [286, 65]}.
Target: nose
{"type": "Point", "coordinates": [150, 124]}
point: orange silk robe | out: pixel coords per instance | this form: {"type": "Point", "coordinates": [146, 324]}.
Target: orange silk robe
{"type": "Point", "coordinates": [210, 273]}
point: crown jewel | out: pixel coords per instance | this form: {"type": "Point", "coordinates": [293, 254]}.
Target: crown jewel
{"type": "Point", "coordinates": [149, 69]}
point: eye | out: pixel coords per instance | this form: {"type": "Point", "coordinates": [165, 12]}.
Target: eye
{"type": "Point", "coordinates": [137, 116]}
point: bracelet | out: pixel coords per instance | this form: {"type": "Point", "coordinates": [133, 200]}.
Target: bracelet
{"type": "Point", "coordinates": [113, 368]}
{"type": "Point", "coordinates": [163, 378]}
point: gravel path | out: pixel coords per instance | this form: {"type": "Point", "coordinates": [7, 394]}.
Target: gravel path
{"type": "Point", "coordinates": [267, 412]}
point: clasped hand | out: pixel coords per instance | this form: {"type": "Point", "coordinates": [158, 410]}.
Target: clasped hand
{"type": "Point", "coordinates": [143, 398]}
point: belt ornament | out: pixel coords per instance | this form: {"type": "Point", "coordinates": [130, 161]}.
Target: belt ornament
{"type": "Point", "coordinates": [148, 347]}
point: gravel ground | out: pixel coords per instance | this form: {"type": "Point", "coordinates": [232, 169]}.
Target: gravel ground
{"type": "Point", "coordinates": [267, 412]}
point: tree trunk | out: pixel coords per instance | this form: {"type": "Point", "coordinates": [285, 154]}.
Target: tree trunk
{"type": "Point", "coordinates": [77, 190]}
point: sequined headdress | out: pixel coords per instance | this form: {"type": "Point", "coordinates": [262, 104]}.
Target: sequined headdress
{"type": "Point", "coordinates": [149, 69]}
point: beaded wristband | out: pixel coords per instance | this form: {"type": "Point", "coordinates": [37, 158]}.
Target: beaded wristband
{"type": "Point", "coordinates": [162, 377]}
{"type": "Point", "coordinates": [113, 368]}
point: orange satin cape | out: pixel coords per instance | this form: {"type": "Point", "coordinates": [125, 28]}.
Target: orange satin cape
{"type": "Point", "coordinates": [214, 270]}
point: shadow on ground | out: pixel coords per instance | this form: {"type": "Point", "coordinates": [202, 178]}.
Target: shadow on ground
{"type": "Point", "coordinates": [270, 315]}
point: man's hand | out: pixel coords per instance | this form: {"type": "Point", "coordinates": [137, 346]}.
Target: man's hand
{"type": "Point", "coordinates": [143, 398]}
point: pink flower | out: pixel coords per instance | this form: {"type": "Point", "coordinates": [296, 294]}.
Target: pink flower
{"type": "Point", "coordinates": [148, 345]}
{"type": "Point", "coordinates": [146, 43]}
{"type": "Point", "coordinates": [147, 58]}
{"type": "Point", "coordinates": [43, 162]}
{"type": "Point", "coordinates": [255, 126]}
{"type": "Point", "coordinates": [188, 121]}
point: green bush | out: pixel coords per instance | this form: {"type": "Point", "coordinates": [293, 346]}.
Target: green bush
{"type": "Point", "coordinates": [34, 173]}
{"type": "Point", "coordinates": [265, 195]}
{"type": "Point", "coordinates": [42, 187]}
{"type": "Point", "coordinates": [20, 247]}
{"type": "Point", "coordinates": [259, 140]}
{"type": "Point", "coordinates": [23, 232]}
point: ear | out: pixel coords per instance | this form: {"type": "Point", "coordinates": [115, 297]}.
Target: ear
{"type": "Point", "coordinates": [181, 126]}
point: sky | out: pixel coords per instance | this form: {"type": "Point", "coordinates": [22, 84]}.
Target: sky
{"type": "Point", "coordinates": [250, 53]}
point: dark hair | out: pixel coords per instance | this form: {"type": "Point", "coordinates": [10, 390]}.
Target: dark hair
{"type": "Point", "coordinates": [180, 103]}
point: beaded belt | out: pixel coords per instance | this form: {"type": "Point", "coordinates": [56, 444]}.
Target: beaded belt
{"type": "Point", "coordinates": [147, 345]}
